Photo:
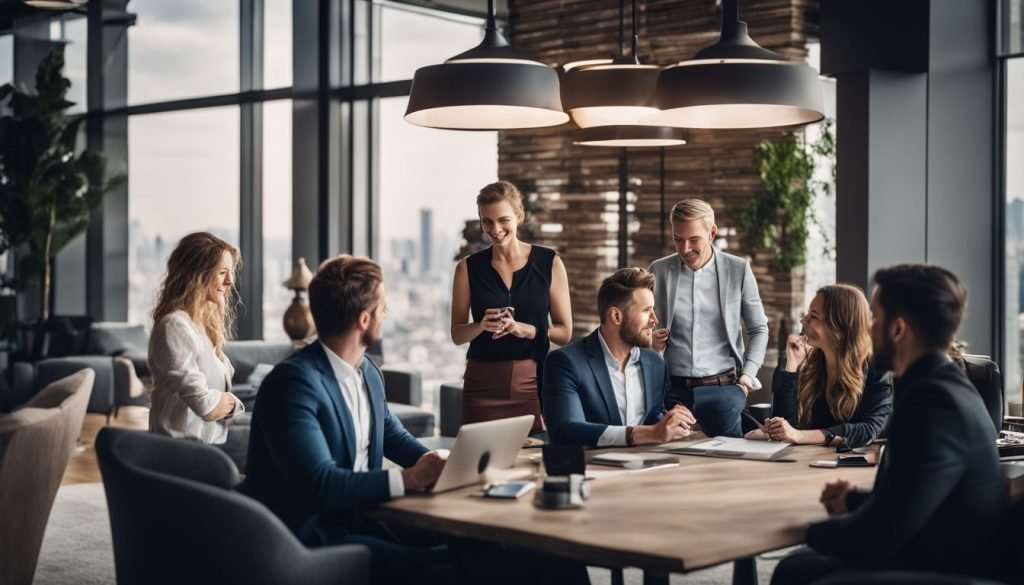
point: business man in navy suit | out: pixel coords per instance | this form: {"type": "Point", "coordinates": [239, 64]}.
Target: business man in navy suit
{"type": "Point", "coordinates": [320, 430]}
{"type": "Point", "coordinates": [609, 388]}
{"type": "Point", "coordinates": [321, 427]}
{"type": "Point", "coordinates": [939, 495]}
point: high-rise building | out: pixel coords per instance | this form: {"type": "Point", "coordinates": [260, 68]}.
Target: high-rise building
{"type": "Point", "coordinates": [426, 240]}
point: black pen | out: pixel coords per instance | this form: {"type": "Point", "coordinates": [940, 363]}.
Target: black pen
{"type": "Point", "coordinates": [751, 418]}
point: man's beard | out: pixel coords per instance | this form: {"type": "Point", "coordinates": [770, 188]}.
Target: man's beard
{"type": "Point", "coordinates": [634, 336]}
{"type": "Point", "coordinates": [881, 357]}
{"type": "Point", "coordinates": [371, 335]}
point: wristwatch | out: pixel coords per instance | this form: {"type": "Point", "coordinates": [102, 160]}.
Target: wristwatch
{"type": "Point", "coordinates": [829, 435]}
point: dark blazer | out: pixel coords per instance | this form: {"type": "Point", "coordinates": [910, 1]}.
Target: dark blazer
{"type": "Point", "coordinates": [867, 422]}
{"type": "Point", "coordinates": [579, 402]}
{"type": "Point", "coordinates": [302, 447]}
{"type": "Point", "coordinates": [939, 495]}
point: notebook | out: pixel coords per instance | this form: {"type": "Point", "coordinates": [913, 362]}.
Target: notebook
{"type": "Point", "coordinates": [633, 460]}
{"type": "Point", "coordinates": [735, 448]}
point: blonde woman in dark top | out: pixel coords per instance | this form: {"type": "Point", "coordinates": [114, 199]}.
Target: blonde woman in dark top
{"type": "Point", "coordinates": [826, 392]}
{"type": "Point", "coordinates": [508, 302]}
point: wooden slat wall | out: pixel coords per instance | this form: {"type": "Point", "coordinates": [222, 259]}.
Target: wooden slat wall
{"type": "Point", "coordinates": [577, 186]}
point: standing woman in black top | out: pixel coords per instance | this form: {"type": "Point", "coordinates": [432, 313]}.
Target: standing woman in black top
{"type": "Point", "coordinates": [508, 301]}
{"type": "Point", "coordinates": [828, 394]}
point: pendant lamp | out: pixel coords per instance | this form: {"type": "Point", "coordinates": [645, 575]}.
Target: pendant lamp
{"type": "Point", "coordinates": [736, 83]}
{"type": "Point", "coordinates": [493, 86]}
{"type": "Point", "coordinates": [608, 99]}
{"type": "Point", "coordinates": [56, 4]}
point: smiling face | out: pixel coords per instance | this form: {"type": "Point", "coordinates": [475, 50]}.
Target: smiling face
{"type": "Point", "coordinates": [814, 327]}
{"type": "Point", "coordinates": [638, 320]}
{"type": "Point", "coordinates": [499, 222]}
{"type": "Point", "coordinates": [223, 279]}
{"type": "Point", "coordinates": [693, 241]}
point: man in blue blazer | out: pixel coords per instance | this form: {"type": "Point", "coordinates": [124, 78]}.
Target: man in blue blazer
{"type": "Point", "coordinates": [321, 427]}
{"type": "Point", "coordinates": [609, 388]}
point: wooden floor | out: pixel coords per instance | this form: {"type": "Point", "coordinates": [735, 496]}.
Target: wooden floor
{"type": "Point", "coordinates": [82, 466]}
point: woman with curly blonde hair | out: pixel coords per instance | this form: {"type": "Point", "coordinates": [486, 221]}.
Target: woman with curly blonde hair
{"type": "Point", "coordinates": [828, 394]}
{"type": "Point", "coordinates": [192, 320]}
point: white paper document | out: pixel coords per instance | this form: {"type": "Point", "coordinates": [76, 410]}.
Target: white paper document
{"type": "Point", "coordinates": [729, 447]}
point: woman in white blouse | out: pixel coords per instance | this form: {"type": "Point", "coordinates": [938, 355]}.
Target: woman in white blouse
{"type": "Point", "coordinates": [192, 319]}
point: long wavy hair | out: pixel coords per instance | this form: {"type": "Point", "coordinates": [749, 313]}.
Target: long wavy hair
{"type": "Point", "coordinates": [848, 319]}
{"type": "Point", "coordinates": [191, 273]}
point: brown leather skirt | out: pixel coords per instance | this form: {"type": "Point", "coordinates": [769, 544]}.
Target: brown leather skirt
{"type": "Point", "coordinates": [494, 390]}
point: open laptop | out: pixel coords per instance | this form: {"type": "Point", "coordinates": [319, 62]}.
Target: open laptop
{"type": "Point", "coordinates": [492, 444]}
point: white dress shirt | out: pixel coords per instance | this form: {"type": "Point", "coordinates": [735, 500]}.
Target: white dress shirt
{"type": "Point", "coordinates": [628, 387]}
{"type": "Point", "coordinates": [357, 400]}
{"type": "Point", "coordinates": [188, 380]}
{"type": "Point", "coordinates": [698, 343]}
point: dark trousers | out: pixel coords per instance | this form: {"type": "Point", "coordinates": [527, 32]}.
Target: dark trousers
{"type": "Point", "coordinates": [803, 567]}
{"type": "Point", "coordinates": [398, 552]}
{"type": "Point", "coordinates": [403, 555]}
{"type": "Point", "coordinates": [497, 564]}
{"type": "Point", "coordinates": [716, 408]}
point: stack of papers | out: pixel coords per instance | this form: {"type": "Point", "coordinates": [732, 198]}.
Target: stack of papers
{"type": "Point", "coordinates": [729, 447]}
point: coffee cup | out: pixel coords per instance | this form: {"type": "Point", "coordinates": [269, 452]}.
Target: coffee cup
{"type": "Point", "coordinates": [761, 411]}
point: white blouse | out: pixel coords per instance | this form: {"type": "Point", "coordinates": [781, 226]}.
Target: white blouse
{"type": "Point", "coordinates": [188, 381]}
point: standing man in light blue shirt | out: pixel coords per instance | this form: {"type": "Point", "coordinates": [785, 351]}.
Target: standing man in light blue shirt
{"type": "Point", "coordinates": [608, 389]}
{"type": "Point", "coordinates": [707, 299]}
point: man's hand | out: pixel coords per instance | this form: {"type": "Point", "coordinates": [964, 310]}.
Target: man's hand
{"type": "Point", "coordinates": [673, 426]}
{"type": "Point", "coordinates": [833, 497]}
{"type": "Point", "coordinates": [779, 429]}
{"type": "Point", "coordinates": [660, 339]}
{"type": "Point", "coordinates": [745, 384]}
{"type": "Point", "coordinates": [423, 475]}
{"type": "Point", "coordinates": [796, 352]}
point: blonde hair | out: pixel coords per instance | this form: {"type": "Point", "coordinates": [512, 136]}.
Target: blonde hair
{"type": "Point", "coordinates": [848, 319]}
{"type": "Point", "coordinates": [191, 271]}
{"type": "Point", "coordinates": [691, 209]}
{"type": "Point", "coordinates": [502, 191]}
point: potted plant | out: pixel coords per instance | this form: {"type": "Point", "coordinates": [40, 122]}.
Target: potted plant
{"type": "Point", "coordinates": [778, 218]}
{"type": "Point", "coordinates": [47, 187]}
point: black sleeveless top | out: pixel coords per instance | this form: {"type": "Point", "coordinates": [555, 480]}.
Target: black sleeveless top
{"type": "Point", "coordinates": [529, 296]}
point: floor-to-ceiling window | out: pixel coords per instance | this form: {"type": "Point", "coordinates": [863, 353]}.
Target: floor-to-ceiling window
{"type": "Point", "coordinates": [186, 160]}
{"type": "Point", "coordinates": [183, 171]}
{"type": "Point", "coordinates": [428, 184]}
{"type": "Point", "coordinates": [1011, 51]}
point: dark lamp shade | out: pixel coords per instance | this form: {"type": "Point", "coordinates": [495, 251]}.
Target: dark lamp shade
{"type": "Point", "coordinates": [742, 93]}
{"type": "Point", "coordinates": [630, 136]}
{"type": "Point", "coordinates": [609, 94]}
{"type": "Point", "coordinates": [485, 94]}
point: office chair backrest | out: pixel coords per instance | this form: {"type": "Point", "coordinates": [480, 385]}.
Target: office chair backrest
{"type": "Point", "coordinates": [988, 381]}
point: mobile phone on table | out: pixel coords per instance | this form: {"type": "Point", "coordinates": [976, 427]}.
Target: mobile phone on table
{"type": "Point", "coordinates": [508, 489]}
{"type": "Point", "coordinates": [825, 463]}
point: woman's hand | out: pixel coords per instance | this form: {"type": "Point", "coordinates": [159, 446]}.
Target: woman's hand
{"type": "Point", "coordinates": [779, 429]}
{"type": "Point", "coordinates": [492, 321]}
{"type": "Point", "coordinates": [509, 326]}
{"type": "Point", "coordinates": [796, 352]}
{"type": "Point", "coordinates": [756, 435]}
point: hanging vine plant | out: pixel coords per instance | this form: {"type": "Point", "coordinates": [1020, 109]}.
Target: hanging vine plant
{"type": "Point", "coordinates": [779, 218]}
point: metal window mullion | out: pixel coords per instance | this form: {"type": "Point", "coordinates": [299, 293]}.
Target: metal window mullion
{"type": "Point", "coordinates": [250, 280]}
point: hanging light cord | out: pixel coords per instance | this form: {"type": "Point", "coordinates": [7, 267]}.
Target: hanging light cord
{"type": "Point", "coordinates": [491, 21]}
{"type": "Point", "coordinates": [636, 37]}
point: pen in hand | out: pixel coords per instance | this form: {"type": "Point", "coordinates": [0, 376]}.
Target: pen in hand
{"type": "Point", "coordinates": [760, 426]}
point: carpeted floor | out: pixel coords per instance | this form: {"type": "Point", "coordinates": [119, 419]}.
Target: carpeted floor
{"type": "Point", "coordinates": [77, 549]}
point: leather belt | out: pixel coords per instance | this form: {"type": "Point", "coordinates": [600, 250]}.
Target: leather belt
{"type": "Point", "coordinates": [723, 378]}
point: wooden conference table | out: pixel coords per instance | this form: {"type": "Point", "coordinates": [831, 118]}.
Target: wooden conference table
{"type": "Point", "coordinates": [705, 512]}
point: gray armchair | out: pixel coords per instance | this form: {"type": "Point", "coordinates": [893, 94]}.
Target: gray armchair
{"type": "Point", "coordinates": [175, 518]}
{"type": "Point", "coordinates": [36, 441]}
